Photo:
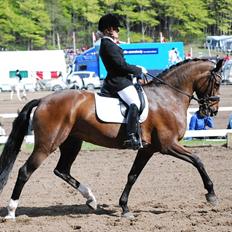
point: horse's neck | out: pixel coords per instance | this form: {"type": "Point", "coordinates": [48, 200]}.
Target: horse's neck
{"type": "Point", "coordinates": [179, 81]}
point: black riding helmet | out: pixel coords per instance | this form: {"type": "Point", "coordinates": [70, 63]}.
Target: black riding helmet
{"type": "Point", "coordinates": [108, 20]}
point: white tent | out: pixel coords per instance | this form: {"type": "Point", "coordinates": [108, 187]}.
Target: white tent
{"type": "Point", "coordinates": [217, 42]}
{"type": "Point", "coordinates": [228, 45]}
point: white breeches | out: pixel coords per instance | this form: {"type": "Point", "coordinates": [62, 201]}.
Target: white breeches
{"type": "Point", "coordinates": [130, 96]}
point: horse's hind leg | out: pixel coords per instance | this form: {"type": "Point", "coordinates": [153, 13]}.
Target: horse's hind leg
{"type": "Point", "coordinates": [24, 174]}
{"type": "Point", "coordinates": [69, 151]}
{"type": "Point", "coordinates": [181, 153]}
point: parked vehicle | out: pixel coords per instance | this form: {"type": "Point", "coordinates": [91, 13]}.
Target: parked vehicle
{"type": "Point", "coordinates": [84, 80]}
{"type": "Point", "coordinates": [54, 84]}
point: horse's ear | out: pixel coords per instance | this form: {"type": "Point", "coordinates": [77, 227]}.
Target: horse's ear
{"type": "Point", "coordinates": [219, 65]}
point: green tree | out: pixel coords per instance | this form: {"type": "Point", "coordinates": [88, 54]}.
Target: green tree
{"type": "Point", "coordinates": [39, 24]}
{"type": "Point", "coordinates": [74, 20]}
{"type": "Point", "coordinates": [138, 16]}
{"type": "Point", "coordinates": [31, 23]}
{"type": "Point", "coordinates": [184, 20]}
{"type": "Point", "coordinates": [7, 16]}
{"type": "Point", "coordinates": [220, 11]}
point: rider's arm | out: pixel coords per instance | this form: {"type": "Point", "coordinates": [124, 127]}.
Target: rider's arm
{"type": "Point", "coordinates": [209, 122]}
{"type": "Point", "coordinates": [192, 124]}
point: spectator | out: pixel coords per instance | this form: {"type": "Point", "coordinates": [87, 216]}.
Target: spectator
{"type": "Point", "coordinates": [227, 57]}
{"type": "Point", "coordinates": [200, 122]}
{"type": "Point", "coordinates": [188, 56]}
{"type": "Point", "coordinates": [217, 58]}
{"type": "Point", "coordinates": [173, 56]}
{"type": "Point", "coordinates": [229, 126]}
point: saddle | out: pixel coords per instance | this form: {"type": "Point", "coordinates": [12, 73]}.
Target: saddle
{"type": "Point", "coordinates": [112, 109]}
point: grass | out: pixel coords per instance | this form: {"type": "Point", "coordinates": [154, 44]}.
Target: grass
{"type": "Point", "coordinates": [203, 142]}
{"type": "Point", "coordinates": [199, 51]}
{"type": "Point", "coordinates": [91, 147]}
{"type": "Point", "coordinates": [29, 147]}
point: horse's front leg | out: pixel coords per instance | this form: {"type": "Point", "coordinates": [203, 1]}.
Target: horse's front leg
{"type": "Point", "coordinates": [179, 152]}
{"type": "Point", "coordinates": [141, 160]}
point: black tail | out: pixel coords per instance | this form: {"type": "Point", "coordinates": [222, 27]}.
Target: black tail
{"type": "Point", "coordinates": [14, 142]}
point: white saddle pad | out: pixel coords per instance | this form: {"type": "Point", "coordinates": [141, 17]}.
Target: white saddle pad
{"type": "Point", "coordinates": [108, 109]}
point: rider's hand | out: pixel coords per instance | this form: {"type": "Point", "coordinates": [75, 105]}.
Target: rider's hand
{"type": "Point", "coordinates": [144, 71]}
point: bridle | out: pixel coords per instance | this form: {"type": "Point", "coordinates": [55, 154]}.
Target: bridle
{"type": "Point", "coordinates": [205, 102]}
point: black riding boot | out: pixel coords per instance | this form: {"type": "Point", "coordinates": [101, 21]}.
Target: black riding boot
{"type": "Point", "coordinates": [133, 140]}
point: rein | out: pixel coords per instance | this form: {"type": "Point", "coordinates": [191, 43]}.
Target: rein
{"type": "Point", "coordinates": [200, 101]}
{"type": "Point", "coordinates": [176, 89]}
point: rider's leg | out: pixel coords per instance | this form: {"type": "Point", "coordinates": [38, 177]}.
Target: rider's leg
{"type": "Point", "coordinates": [132, 127]}
{"type": "Point", "coordinates": [130, 96]}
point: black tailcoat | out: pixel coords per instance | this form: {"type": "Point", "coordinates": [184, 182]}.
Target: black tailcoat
{"type": "Point", "coordinates": [118, 70]}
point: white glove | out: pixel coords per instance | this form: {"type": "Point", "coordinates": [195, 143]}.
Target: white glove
{"type": "Point", "coordinates": [144, 71]}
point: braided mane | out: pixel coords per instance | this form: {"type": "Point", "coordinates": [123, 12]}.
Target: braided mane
{"type": "Point", "coordinates": [176, 77]}
{"type": "Point", "coordinates": [173, 67]}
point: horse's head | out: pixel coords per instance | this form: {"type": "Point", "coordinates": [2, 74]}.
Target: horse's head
{"type": "Point", "coordinates": [208, 90]}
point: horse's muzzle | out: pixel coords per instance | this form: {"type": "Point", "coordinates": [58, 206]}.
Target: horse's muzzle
{"type": "Point", "coordinates": [214, 106]}
{"type": "Point", "coordinates": [213, 112]}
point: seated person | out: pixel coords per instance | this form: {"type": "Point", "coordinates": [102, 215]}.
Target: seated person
{"type": "Point", "coordinates": [200, 122]}
{"type": "Point", "coordinates": [229, 126]}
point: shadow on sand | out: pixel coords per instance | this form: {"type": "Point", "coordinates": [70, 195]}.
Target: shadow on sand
{"type": "Point", "coordinates": [60, 210]}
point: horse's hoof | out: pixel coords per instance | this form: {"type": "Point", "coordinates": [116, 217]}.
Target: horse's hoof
{"type": "Point", "coordinates": [212, 199]}
{"type": "Point", "coordinates": [92, 204]}
{"type": "Point", "coordinates": [8, 218]}
{"type": "Point", "coordinates": [128, 215]}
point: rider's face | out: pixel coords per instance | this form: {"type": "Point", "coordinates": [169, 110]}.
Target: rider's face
{"type": "Point", "coordinates": [113, 32]}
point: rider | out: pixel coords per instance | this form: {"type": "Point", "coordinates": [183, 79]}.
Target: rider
{"type": "Point", "coordinates": [119, 75]}
{"type": "Point", "coordinates": [18, 74]}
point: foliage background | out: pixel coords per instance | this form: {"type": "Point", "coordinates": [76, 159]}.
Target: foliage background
{"type": "Point", "coordinates": [52, 24]}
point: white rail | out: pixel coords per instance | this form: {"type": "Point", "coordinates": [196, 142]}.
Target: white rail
{"type": "Point", "coordinates": [27, 139]}
{"type": "Point", "coordinates": [9, 115]}
{"type": "Point", "coordinates": [224, 108]}
{"type": "Point", "coordinates": [207, 133]}
{"type": "Point", "coordinates": [221, 133]}
{"type": "Point", "coordinates": [189, 133]}
{"type": "Point", "coordinates": [190, 110]}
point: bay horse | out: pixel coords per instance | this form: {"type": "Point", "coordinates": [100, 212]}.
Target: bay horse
{"type": "Point", "coordinates": [64, 119]}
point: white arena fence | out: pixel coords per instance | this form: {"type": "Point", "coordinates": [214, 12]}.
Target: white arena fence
{"type": "Point", "coordinates": [220, 133]}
